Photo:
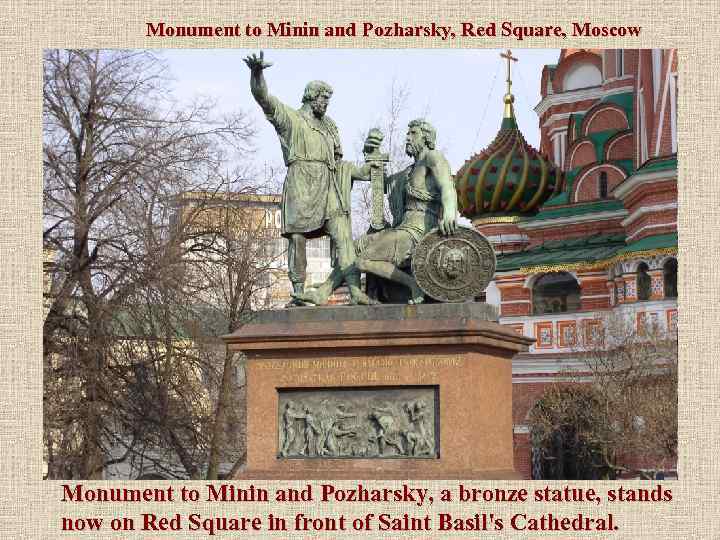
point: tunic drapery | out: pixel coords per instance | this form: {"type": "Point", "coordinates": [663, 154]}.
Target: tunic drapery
{"type": "Point", "coordinates": [311, 148]}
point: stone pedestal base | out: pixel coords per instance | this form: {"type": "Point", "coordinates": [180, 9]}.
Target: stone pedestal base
{"type": "Point", "coordinates": [454, 352]}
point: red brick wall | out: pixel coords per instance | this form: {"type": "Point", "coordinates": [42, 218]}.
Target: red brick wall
{"type": "Point", "coordinates": [666, 134]}
{"type": "Point", "coordinates": [561, 108]}
{"type": "Point", "coordinates": [631, 60]}
{"type": "Point", "coordinates": [586, 186]}
{"type": "Point", "coordinates": [645, 83]}
{"type": "Point", "coordinates": [610, 64]}
{"type": "Point", "coordinates": [666, 217]}
{"type": "Point", "coordinates": [525, 395]}
{"type": "Point", "coordinates": [622, 147]}
{"type": "Point", "coordinates": [515, 310]}
{"type": "Point", "coordinates": [517, 292]}
{"type": "Point", "coordinates": [512, 292]}
{"type": "Point", "coordinates": [589, 304]}
{"type": "Point", "coordinates": [494, 229]}
{"type": "Point", "coordinates": [522, 455]}
{"type": "Point", "coordinates": [593, 286]}
{"type": "Point", "coordinates": [619, 83]}
{"type": "Point", "coordinates": [607, 118]}
{"type": "Point", "coordinates": [565, 232]}
{"type": "Point", "coordinates": [582, 153]}
{"type": "Point", "coordinates": [654, 193]}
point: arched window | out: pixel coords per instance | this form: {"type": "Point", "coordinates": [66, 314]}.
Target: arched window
{"type": "Point", "coordinates": [643, 282]}
{"type": "Point", "coordinates": [556, 292]}
{"type": "Point", "coordinates": [603, 185]}
{"type": "Point", "coordinates": [670, 278]}
{"type": "Point", "coordinates": [582, 76]}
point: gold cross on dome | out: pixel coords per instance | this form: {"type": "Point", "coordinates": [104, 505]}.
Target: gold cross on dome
{"type": "Point", "coordinates": [508, 56]}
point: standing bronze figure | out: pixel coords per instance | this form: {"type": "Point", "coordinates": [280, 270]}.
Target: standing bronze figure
{"type": "Point", "coordinates": [316, 191]}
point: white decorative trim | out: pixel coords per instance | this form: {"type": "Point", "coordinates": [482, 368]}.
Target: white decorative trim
{"type": "Point", "coordinates": [553, 132]}
{"type": "Point", "coordinates": [515, 279]}
{"type": "Point", "coordinates": [637, 179]}
{"type": "Point", "coordinates": [595, 92]}
{"type": "Point", "coordinates": [543, 363]}
{"type": "Point", "coordinates": [656, 69]}
{"type": "Point", "coordinates": [643, 150]}
{"type": "Point", "coordinates": [641, 229]}
{"type": "Point", "coordinates": [619, 78]}
{"type": "Point", "coordinates": [647, 209]}
{"type": "Point", "coordinates": [593, 216]}
{"type": "Point", "coordinates": [535, 380]}
{"type": "Point", "coordinates": [593, 275]}
{"type": "Point", "coordinates": [508, 238]}
{"type": "Point", "coordinates": [561, 116]}
{"type": "Point", "coordinates": [503, 302]}
{"type": "Point", "coordinates": [556, 146]}
{"type": "Point", "coordinates": [583, 297]}
{"type": "Point", "coordinates": [662, 106]}
{"type": "Point", "coordinates": [673, 113]}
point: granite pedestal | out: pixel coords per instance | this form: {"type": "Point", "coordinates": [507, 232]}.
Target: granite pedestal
{"type": "Point", "coordinates": [456, 357]}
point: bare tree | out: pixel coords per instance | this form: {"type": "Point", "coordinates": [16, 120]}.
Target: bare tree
{"type": "Point", "coordinates": [238, 272]}
{"type": "Point", "coordinates": [618, 417]}
{"type": "Point", "coordinates": [117, 152]}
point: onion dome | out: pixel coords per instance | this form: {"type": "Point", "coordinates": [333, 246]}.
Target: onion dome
{"type": "Point", "coordinates": [509, 177]}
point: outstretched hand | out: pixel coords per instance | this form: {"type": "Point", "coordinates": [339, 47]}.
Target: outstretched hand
{"type": "Point", "coordinates": [257, 63]}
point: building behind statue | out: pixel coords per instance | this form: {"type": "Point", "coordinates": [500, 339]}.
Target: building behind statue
{"type": "Point", "coordinates": [586, 226]}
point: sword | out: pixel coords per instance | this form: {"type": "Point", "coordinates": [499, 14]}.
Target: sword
{"type": "Point", "coordinates": [377, 177]}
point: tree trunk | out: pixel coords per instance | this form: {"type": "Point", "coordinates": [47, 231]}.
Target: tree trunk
{"type": "Point", "coordinates": [219, 427]}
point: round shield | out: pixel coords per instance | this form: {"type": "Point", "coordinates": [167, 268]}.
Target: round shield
{"type": "Point", "coordinates": [453, 268]}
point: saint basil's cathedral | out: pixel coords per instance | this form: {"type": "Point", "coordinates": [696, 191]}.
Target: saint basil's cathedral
{"type": "Point", "coordinates": [585, 226]}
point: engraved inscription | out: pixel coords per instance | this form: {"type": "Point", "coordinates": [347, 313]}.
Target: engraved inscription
{"type": "Point", "coordinates": [380, 422]}
{"type": "Point", "coordinates": [418, 362]}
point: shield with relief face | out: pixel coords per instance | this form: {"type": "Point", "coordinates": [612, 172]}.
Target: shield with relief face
{"type": "Point", "coordinates": [453, 268]}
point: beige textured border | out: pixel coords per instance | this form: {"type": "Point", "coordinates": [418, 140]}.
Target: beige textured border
{"type": "Point", "coordinates": [30, 508]}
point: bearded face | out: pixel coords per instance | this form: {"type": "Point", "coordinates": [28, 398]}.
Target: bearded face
{"type": "Point", "coordinates": [319, 105]}
{"type": "Point", "coordinates": [453, 264]}
{"type": "Point", "coordinates": [414, 141]}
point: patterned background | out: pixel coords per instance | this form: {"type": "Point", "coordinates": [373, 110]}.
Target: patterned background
{"type": "Point", "coordinates": [31, 508]}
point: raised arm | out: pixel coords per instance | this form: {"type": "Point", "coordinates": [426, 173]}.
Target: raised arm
{"type": "Point", "coordinates": [258, 86]}
{"type": "Point", "coordinates": [440, 169]}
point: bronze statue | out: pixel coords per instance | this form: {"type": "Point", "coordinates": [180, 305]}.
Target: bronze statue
{"type": "Point", "coordinates": [422, 253]}
{"type": "Point", "coordinates": [316, 191]}
{"type": "Point", "coordinates": [429, 201]}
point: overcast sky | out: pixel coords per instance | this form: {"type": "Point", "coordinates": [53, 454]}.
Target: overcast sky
{"type": "Point", "coordinates": [459, 91]}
